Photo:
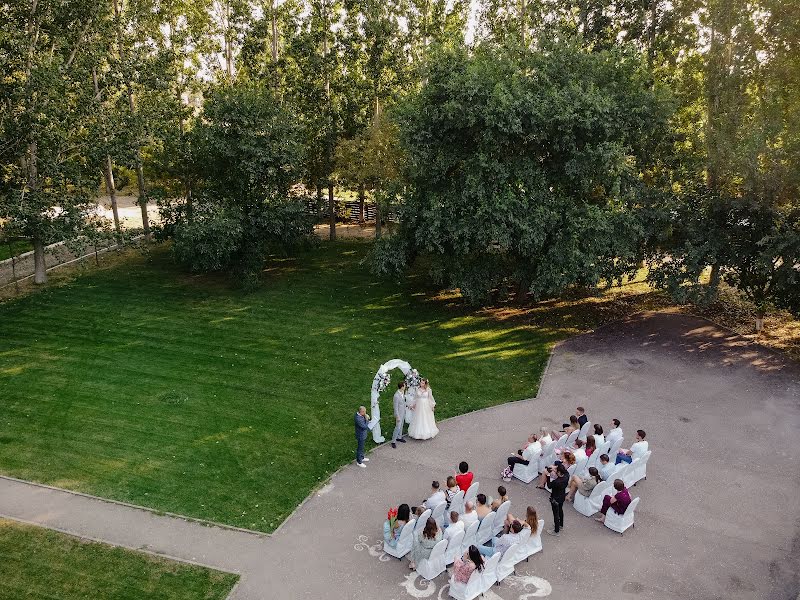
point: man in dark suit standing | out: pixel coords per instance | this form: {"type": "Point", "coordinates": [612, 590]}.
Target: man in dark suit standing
{"type": "Point", "coordinates": [362, 429]}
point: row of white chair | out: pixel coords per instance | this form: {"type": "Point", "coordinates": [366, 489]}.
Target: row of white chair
{"type": "Point", "coordinates": [498, 566]}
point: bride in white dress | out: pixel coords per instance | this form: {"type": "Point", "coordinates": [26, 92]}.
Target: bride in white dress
{"type": "Point", "coordinates": [423, 423]}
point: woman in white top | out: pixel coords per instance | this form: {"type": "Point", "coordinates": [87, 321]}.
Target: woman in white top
{"type": "Point", "coordinates": [599, 438]}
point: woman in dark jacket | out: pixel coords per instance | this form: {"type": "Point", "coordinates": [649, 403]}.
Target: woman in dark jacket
{"type": "Point", "coordinates": [559, 480]}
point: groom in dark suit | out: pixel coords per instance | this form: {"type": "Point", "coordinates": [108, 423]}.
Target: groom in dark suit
{"type": "Point", "coordinates": [362, 429]}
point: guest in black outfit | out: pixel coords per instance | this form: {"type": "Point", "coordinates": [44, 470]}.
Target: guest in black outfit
{"type": "Point", "coordinates": [580, 412]}
{"type": "Point", "coordinates": [559, 480]}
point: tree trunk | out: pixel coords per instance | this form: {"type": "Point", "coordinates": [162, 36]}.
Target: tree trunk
{"type": "Point", "coordinates": [522, 27]}
{"type": "Point", "coordinates": [759, 320]}
{"type": "Point", "coordinates": [40, 268]}
{"type": "Point", "coordinates": [331, 212]}
{"type": "Point", "coordinates": [274, 34]}
{"type": "Point", "coordinates": [713, 280]}
{"type": "Point", "coordinates": [112, 193]}
{"type": "Point", "coordinates": [361, 196]}
{"type": "Point", "coordinates": [651, 33]}
{"type": "Point", "coordinates": [140, 173]}
{"type": "Point", "coordinates": [377, 218]}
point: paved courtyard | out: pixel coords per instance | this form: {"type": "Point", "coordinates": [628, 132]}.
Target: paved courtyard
{"type": "Point", "coordinates": [719, 515]}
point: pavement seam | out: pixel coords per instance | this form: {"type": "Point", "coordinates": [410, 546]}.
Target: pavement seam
{"type": "Point", "coordinates": [89, 538]}
{"type": "Point", "coordinates": [153, 511]}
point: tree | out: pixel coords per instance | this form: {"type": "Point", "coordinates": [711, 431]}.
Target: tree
{"type": "Point", "coordinates": [49, 51]}
{"type": "Point", "coordinates": [248, 153]}
{"type": "Point", "coordinates": [525, 169]}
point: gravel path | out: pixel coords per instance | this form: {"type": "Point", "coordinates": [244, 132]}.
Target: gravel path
{"type": "Point", "coordinates": [718, 516]}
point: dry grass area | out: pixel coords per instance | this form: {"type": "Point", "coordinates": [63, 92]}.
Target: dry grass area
{"type": "Point", "coordinates": [582, 313]}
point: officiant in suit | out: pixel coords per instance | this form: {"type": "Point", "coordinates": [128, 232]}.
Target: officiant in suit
{"type": "Point", "coordinates": [362, 429]}
{"type": "Point", "coordinates": [399, 400]}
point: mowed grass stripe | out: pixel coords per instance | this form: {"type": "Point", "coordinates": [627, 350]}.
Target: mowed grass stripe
{"type": "Point", "coordinates": [144, 385]}
{"type": "Point", "coordinates": [36, 563]}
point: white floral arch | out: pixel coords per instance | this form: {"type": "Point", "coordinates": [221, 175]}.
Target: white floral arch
{"type": "Point", "coordinates": [380, 382]}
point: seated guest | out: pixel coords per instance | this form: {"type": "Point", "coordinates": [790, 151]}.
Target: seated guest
{"type": "Point", "coordinates": [502, 544]}
{"type": "Point", "coordinates": [636, 451]}
{"type": "Point", "coordinates": [591, 445]}
{"type": "Point", "coordinates": [598, 437]}
{"type": "Point", "coordinates": [531, 449]}
{"type": "Point", "coordinates": [615, 432]}
{"type": "Point", "coordinates": [470, 516]}
{"type": "Point", "coordinates": [578, 452]}
{"type": "Point", "coordinates": [605, 467]}
{"type": "Point", "coordinates": [436, 498]}
{"type": "Point", "coordinates": [464, 476]}
{"type": "Point", "coordinates": [391, 534]}
{"type": "Point", "coordinates": [425, 541]}
{"type": "Point", "coordinates": [482, 509]}
{"type": "Point", "coordinates": [570, 427]}
{"type": "Point", "coordinates": [451, 491]}
{"type": "Point", "coordinates": [580, 417]}
{"type": "Point", "coordinates": [456, 525]}
{"type": "Point", "coordinates": [508, 539]}
{"type": "Point", "coordinates": [465, 565]}
{"type": "Point", "coordinates": [567, 459]}
{"type": "Point", "coordinates": [502, 496]}
{"type": "Point", "coordinates": [417, 511]}
{"type": "Point", "coordinates": [619, 501]}
{"type": "Point", "coordinates": [544, 437]}
{"type": "Point", "coordinates": [531, 521]}
{"type": "Point", "coordinates": [583, 485]}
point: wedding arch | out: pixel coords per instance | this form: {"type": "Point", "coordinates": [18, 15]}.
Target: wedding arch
{"type": "Point", "coordinates": [380, 382]}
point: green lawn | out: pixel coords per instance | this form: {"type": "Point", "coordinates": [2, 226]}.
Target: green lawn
{"type": "Point", "coordinates": [143, 384]}
{"type": "Point", "coordinates": [37, 563]}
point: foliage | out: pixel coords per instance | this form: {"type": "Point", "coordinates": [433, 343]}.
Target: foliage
{"type": "Point", "coordinates": [525, 170]}
{"type": "Point", "coordinates": [247, 155]}
{"type": "Point", "coordinates": [46, 116]}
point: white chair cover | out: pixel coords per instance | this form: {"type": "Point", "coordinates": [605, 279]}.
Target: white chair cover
{"type": "Point", "coordinates": [438, 514]}
{"type": "Point", "coordinates": [603, 448]}
{"type": "Point", "coordinates": [472, 493]}
{"type": "Point", "coordinates": [466, 591]}
{"type": "Point", "coordinates": [620, 523]}
{"type": "Point", "coordinates": [547, 457]}
{"type": "Point", "coordinates": [500, 516]}
{"type": "Point", "coordinates": [514, 555]}
{"type": "Point", "coordinates": [457, 503]}
{"type": "Point", "coordinates": [593, 461]}
{"type": "Point", "coordinates": [587, 506]}
{"type": "Point", "coordinates": [614, 450]}
{"type": "Point", "coordinates": [486, 529]}
{"type": "Point", "coordinates": [489, 574]}
{"type": "Point", "coordinates": [454, 548]}
{"type": "Point", "coordinates": [638, 470]}
{"type": "Point", "coordinates": [599, 439]}
{"type": "Point", "coordinates": [570, 443]}
{"type": "Point", "coordinates": [561, 442]}
{"type": "Point", "coordinates": [534, 543]}
{"type": "Point", "coordinates": [580, 467]}
{"type": "Point", "coordinates": [527, 473]}
{"type": "Point", "coordinates": [470, 535]}
{"type": "Point", "coordinates": [584, 432]}
{"type": "Point", "coordinates": [423, 518]}
{"type": "Point", "coordinates": [433, 566]}
{"type": "Point", "coordinates": [404, 543]}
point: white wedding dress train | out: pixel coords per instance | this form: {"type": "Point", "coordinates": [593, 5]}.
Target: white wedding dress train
{"type": "Point", "coordinates": [423, 423]}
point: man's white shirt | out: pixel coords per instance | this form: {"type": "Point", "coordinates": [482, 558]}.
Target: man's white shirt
{"type": "Point", "coordinates": [614, 434]}
{"type": "Point", "coordinates": [453, 529]}
{"type": "Point", "coordinates": [639, 448]}
{"type": "Point", "coordinates": [435, 500]}
{"type": "Point", "coordinates": [468, 518]}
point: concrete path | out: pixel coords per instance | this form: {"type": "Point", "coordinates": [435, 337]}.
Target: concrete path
{"type": "Point", "coordinates": [719, 515]}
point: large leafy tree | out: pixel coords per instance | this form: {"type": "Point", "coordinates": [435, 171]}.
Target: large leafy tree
{"type": "Point", "coordinates": [248, 155]}
{"type": "Point", "coordinates": [525, 169]}
{"type": "Point", "coordinates": [47, 53]}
